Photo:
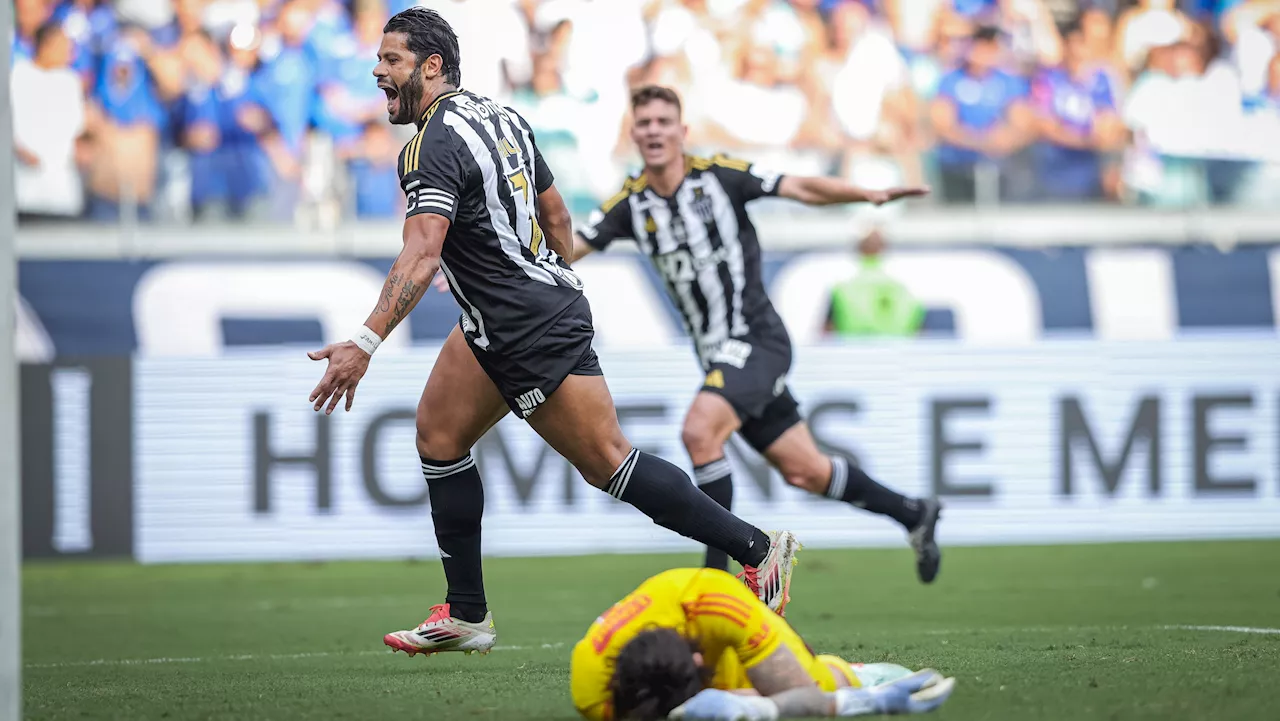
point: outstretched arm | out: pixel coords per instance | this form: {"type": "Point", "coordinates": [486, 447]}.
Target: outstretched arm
{"type": "Point", "coordinates": [787, 684]}
{"type": "Point", "coordinates": [919, 693]}
{"type": "Point", "coordinates": [833, 191]}
{"type": "Point", "coordinates": [410, 274]}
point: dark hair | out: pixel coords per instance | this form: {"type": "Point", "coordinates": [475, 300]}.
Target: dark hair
{"type": "Point", "coordinates": [646, 94]}
{"type": "Point", "coordinates": [987, 34]}
{"type": "Point", "coordinates": [44, 33]}
{"type": "Point", "coordinates": [654, 673]}
{"type": "Point", "coordinates": [1070, 28]}
{"type": "Point", "coordinates": [429, 34]}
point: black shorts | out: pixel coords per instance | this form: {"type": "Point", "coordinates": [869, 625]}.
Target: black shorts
{"type": "Point", "coordinates": [751, 373]}
{"type": "Point", "coordinates": [527, 377]}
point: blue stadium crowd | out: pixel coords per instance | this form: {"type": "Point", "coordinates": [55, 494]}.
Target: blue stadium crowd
{"type": "Point", "coordinates": [213, 110]}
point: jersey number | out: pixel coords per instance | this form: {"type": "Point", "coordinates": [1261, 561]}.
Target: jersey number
{"type": "Point", "coordinates": [520, 184]}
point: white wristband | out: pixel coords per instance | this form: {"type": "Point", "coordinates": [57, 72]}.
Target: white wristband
{"type": "Point", "coordinates": [366, 339]}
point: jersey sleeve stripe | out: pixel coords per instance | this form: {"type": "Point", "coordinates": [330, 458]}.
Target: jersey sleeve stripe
{"type": "Point", "coordinates": [725, 161]}
{"type": "Point", "coordinates": [436, 193]}
{"type": "Point", "coordinates": [611, 202]}
{"type": "Point", "coordinates": [724, 607]}
{"type": "Point", "coordinates": [411, 154]}
{"type": "Point", "coordinates": [434, 204]}
{"type": "Point", "coordinates": [732, 619]}
{"type": "Point", "coordinates": [725, 598]}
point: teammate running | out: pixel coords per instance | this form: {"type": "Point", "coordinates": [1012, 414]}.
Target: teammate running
{"type": "Point", "coordinates": [682, 631]}
{"type": "Point", "coordinates": [483, 207]}
{"type": "Point", "coordinates": [689, 216]}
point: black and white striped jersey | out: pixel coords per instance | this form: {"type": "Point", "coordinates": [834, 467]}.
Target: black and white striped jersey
{"type": "Point", "coordinates": [704, 246]}
{"type": "Point", "coordinates": [475, 162]}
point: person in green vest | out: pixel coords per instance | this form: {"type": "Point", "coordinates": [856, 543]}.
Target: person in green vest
{"type": "Point", "coordinates": [872, 303]}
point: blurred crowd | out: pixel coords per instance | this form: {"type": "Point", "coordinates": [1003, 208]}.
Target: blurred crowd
{"type": "Point", "coordinates": [267, 109]}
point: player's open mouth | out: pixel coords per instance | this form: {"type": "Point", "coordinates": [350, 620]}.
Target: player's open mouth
{"type": "Point", "coordinates": [393, 97]}
{"type": "Point", "coordinates": [654, 145]}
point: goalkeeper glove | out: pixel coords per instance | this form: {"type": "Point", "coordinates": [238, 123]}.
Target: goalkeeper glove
{"type": "Point", "coordinates": [716, 705]}
{"type": "Point", "coordinates": [921, 692]}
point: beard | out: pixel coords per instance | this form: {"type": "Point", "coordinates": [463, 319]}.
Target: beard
{"type": "Point", "coordinates": [410, 98]}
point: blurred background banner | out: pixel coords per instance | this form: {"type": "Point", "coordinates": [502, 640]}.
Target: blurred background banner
{"type": "Point", "coordinates": [203, 307]}
{"type": "Point", "coordinates": [1058, 441]}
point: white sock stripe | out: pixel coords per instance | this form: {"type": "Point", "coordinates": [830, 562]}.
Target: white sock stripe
{"type": "Point", "coordinates": [433, 466]}
{"type": "Point", "coordinates": [713, 471]}
{"type": "Point", "coordinates": [625, 478]}
{"type": "Point", "coordinates": [618, 484]}
{"type": "Point", "coordinates": [839, 476]}
{"type": "Point", "coordinates": [430, 470]}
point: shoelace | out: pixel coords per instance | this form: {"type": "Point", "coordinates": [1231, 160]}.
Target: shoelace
{"type": "Point", "coordinates": [441, 609]}
{"type": "Point", "coordinates": [751, 576]}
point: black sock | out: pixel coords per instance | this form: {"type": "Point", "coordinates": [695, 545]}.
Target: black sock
{"type": "Point", "coordinates": [457, 503]}
{"type": "Point", "coordinates": [714, 479]}
{"type": "Point", "coordinates": [851, 485]}
{"type": "Point", "coordinates": [664, 493]}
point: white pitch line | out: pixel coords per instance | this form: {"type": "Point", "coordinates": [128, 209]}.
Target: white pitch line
{"type": "Point", "coordinates": [1229, 629]}
{"type": "Point", "coordinates": [250, 657]}
{"type": "Point", "coordinates": [552, 646]}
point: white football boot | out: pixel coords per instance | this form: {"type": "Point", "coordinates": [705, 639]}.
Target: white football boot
{"type": "Point", "coordinates": [771, 581]}
{"type": "Point", "coordinates": [442, 632]}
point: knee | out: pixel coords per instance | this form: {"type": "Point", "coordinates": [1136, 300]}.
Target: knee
{"type": "Point", "coordinates": [701, 443]}
{"type": "Point", "coordinates": [812, 477]}
{"type": "Point", "coordinates": [439, 444]}
{"type": "Point", "coordinates": [607, 456]}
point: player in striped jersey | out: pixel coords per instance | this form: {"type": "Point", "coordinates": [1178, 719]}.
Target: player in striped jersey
{"type": "Point", "coordinates": [482, 207]}
{"type": "Point", "coordinates": [689, 216]}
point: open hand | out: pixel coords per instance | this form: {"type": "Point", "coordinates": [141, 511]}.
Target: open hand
{"type": "Point", "coordinates": [880, 197]}
{"type": "Point", "coordinates": [347, 365]}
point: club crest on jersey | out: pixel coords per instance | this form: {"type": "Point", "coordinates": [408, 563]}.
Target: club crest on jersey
{"type": "Point", "coordinates": [702, 206]}
{"type": "Point", "coordinates": [650, 225]}
{"type": "Point", "coordinates": [529, 401]}
{"type": "Point", "coordinates": [715, 379]}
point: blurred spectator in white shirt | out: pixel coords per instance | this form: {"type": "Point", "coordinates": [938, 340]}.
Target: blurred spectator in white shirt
{"type": "Point", "coordinates": [48, 118]}
{"type": "Point", "coordinates": [1148, 24]}
{"type": "Point", "coordinates": [1255, 46]}
{"type": "Point", "coordinates": [872, 100]}
{"type": "Point", "coordinates": [763, 119]}
{"type": "Point", "coordinates": [1185, 111]}
{"type": "Point", "coordinates": [493, 40]}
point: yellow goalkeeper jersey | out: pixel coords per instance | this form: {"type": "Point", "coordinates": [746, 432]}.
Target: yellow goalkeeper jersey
{"type": "Point", "coordinates": [733, 629]}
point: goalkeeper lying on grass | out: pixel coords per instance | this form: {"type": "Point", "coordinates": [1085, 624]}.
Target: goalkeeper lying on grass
{"type": "Point", "coordinates": [695, 644]}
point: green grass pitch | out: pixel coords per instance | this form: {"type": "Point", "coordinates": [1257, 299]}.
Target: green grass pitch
{"type": "Point", "coordinates": [1127, 631]}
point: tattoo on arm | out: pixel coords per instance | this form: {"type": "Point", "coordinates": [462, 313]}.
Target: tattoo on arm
{"type": "Point", "coordinates": [409, 292]}
{"type": "Point", "coordinates": [781, 671]}
{"type": "Point", "coordinates": [388, 291]}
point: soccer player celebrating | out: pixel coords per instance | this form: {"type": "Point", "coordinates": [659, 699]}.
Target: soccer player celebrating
{"type": "Point", "coordinates": [689, 216]}
{"type": "Point", "coordinates": [695, 644]}
{"type": "Point", "coordinates": [483, 208]}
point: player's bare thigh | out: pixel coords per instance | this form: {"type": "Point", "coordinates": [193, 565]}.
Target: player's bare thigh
{"type": "Point", "coordinates": [796, 456]}
{"type": "Point", "coordinates": [459, 403]}
{"type": "Point", "coordinates": [707, 427]}
{"type": "Point", "coordinates": [580, 422]}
